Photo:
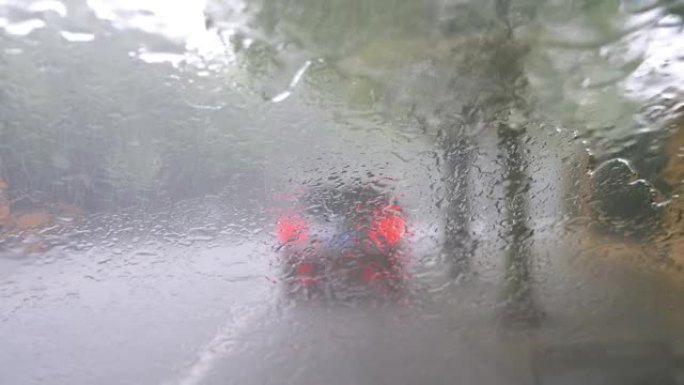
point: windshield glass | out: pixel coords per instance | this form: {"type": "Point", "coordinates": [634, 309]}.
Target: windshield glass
{"type": "Point", "coordinates": [341, 192]}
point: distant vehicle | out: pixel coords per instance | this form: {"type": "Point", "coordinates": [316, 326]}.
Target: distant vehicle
{"type": "Point", "coordinates": [342, 243]}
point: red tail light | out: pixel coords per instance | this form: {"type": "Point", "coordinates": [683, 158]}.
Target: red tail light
{"type": "Point", "coordinates": [291, 229]}
{"type": "Point", "coordinates": [370, 273]}
{"type": "Point", "coordinates": [305, 272]}
{"type": "Point", "coordinates": [305, 268]}
{"type": "Point", "coordinates": [388, 226]}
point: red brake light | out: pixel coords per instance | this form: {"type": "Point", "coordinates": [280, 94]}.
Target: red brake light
{"type": "Point", "coordinates": [388, 226]}
{"type": "Point", "coordinates": [369, 273]}
{"type": "Point", "coordinates": [291, 228]}
{"type": "Point", "coordinates": [305, 269]}
{"type": "Point", "coordinates": [305, 274]}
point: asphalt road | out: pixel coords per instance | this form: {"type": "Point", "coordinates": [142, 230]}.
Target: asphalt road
{"type": "Point", "coordinates": [210, 312]}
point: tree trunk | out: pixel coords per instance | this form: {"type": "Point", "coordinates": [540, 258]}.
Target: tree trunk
{"type": "Point", "coordinates": [459, 245]}
{"type": "Point", "coordinates": [520, 308]}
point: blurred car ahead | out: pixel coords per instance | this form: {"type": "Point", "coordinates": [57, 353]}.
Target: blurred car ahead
{"type": "Point", "coordinates": [343, 243]}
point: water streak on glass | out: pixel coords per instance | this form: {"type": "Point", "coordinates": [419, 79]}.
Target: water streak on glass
{"type": "Point", "coordinates": [341, 192]}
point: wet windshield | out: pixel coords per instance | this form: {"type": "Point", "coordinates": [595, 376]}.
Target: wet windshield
{"type": "Point", "coordinates": [341, 192]}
